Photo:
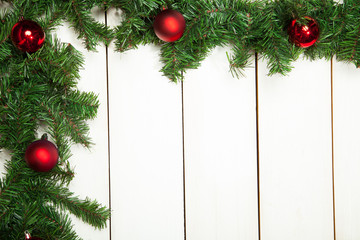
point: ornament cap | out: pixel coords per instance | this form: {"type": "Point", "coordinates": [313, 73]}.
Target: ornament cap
{"type": "Point", "coordinates": [27, 235]}
{"type": "Point", "coordinates": [44, 137]}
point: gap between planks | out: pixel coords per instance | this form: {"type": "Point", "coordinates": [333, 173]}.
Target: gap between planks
{"type": "Point", "coordinates": [257, 140]}
{"type": "Point", "coordinates": [332, 144]}
{"type": "Point", "coordinates": [108, 123]}
{"type": "Point", "coordinates": [183, 148]}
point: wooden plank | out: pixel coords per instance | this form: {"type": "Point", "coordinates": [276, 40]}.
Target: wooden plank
{"type": "Point", "coordinates": [346, 150]}
{"type": "Point", "coordinates": [220, 152]}
{"type": "Point", "coordinates": [146, 147]}
{"type": "Point", "coordinates": [91, 167]}
{"type": "Point", "coordinates": [296, 153]}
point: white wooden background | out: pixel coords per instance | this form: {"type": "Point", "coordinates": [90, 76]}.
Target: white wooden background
{"type": "Point", "coordinates": [219, 158]}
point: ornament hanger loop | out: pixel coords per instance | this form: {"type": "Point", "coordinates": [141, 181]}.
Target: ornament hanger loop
{"type": "Point", "coordinates": [27, 235]}
{"type": "Point", "coordinates": [44, 137]}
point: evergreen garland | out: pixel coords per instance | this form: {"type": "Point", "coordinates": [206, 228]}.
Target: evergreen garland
{"type": "Point", "coordinates": [246, 26]}
{"type": "Point", "coordinates": [39, 89]}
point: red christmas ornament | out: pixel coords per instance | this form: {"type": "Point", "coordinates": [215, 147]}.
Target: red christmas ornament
{"type": "Point", "coordinates": [304, 35]}
{"type": "Point", "coordinates": [41, 155]}
{"type": "Point", "coordinates": [28, 237]}
{"type": "Point", "coordinates": [27, 36]}
{"type": "Point", "coordinates": [169, 25]}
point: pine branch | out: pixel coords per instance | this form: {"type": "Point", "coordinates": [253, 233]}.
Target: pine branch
{"type": "Point", "coordinates": [75, 128]}
{"type": "Point", "coordinates": [8, 190]}
{"type": "Point", "coordinates": [240, 60]}
{"type": "Point", "coordinates": [39, 89]}
{"type": "Point", "coordinates": [349, 48]}
{"type": "Point", "coordinates": [61, 61]}
{"type": "Point", "coordinates": [61, 222]}
{"type": "Point", "coordinates": [86, 26]}
{"type": "Point", "coordinates": [136, 28]}
{"type": "Point", "coordinates": [207, 28]}
{"type": "Point", "coordinates": [274, 45]}
{"type": "Point", "coordinates": [82, 105]}
{"type": "Point", "coordinates": [89, 211]}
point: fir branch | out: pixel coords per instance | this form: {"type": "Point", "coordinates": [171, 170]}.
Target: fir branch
{"type": "Point", "coordinates": [8, 190]}
{"type": "Point", "coordinates": [4, 39]}
{"type": "Point", "coordinates": [5, 53]}
{"type": "Point", "coordinates": [241, 48]}
{"type": "Point", "coordinates": [19, 125]}
{"type": "Point", "coordinates": [274, 45]}
{"type": "Point", "coordinates": [61, 222]}
{"type": "Point", "coordinates": [48, 76]}
{"type": "Point", "coordinates": [76, 129]}
{"type": "Point", "coordinates": [7, 21]}
{"type": "Point", "coordinates": [40, 88]}
{"type": "Point", "coordinates": [86, 26]}
{"type": "Point", "coordinates": [89, 211]}
{"type": "Point", "coordinates": [240, 60]}
{"type": "Point", "coordinates": [83, 105]}
{"type": "Point", "coordinates": [54, 19]}
{"type": "Point", "coordinates": [349, 49]}
{"type": "Point", "coordinates": [136, 27]}
{"type": "Point", "coordinates": [62, 62]}
{"type": "Point", "coordinates": [129, 35]}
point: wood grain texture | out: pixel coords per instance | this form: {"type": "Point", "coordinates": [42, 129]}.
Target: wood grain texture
{"type": "Point", "coordinates": [295, 153]}
{"type": "Point", "coordinates": [346, 150]}
{"type": "Point", "coordinates": [220, 152]}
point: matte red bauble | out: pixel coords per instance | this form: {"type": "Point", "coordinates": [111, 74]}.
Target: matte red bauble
{"type": "Point", "coordinates": [41, 155]}
{"type": "Point", "coordinates": [27, 36]}
{"type": "Point", "coordinates": [169, 25]}
{"type": "Point", "coordinates": [304, 35]}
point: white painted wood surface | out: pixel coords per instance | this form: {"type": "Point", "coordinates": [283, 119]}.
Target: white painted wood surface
{"type": "Point", "coordinates": [220, 149]}
{"type": "Point", "coordinates": [146, 148]}
{"type": "Point", "coordinates": [220, 152]}
{"type": "Point", "coordinates": [91, 167]}
{"type": "Point", "coordinates": [295, 153]}
{"type": "Point", "coordinates": [347, 150]}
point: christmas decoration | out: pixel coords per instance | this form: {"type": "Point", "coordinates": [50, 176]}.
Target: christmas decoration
{"type": "Point", "coordinates": [41, 155]}
{"type": "Point", "coordinates": [247, 27]}
{"type": "Point", "coordinates": [39, 91]}
{"type": "Point", "coordinates": [304, 35]}
{"type": "Point", "coordinates": [41, 88]}
{"type": "Point", "coordinates": [28, 237]}
{"type": "Point", "coordinates": [28, 36]}
{"type": "Point", "coordinates": [169, 25]}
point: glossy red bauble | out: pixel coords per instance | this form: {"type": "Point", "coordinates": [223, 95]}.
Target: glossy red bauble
{"type": "Point", "coordinates": [169, 25]}
{"type": "Point", "coordinates": [27, 36]}
{"type": "Point", "coordinates": [304, 35]}
{"type": "Point", "coordinates": [41, 155]}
